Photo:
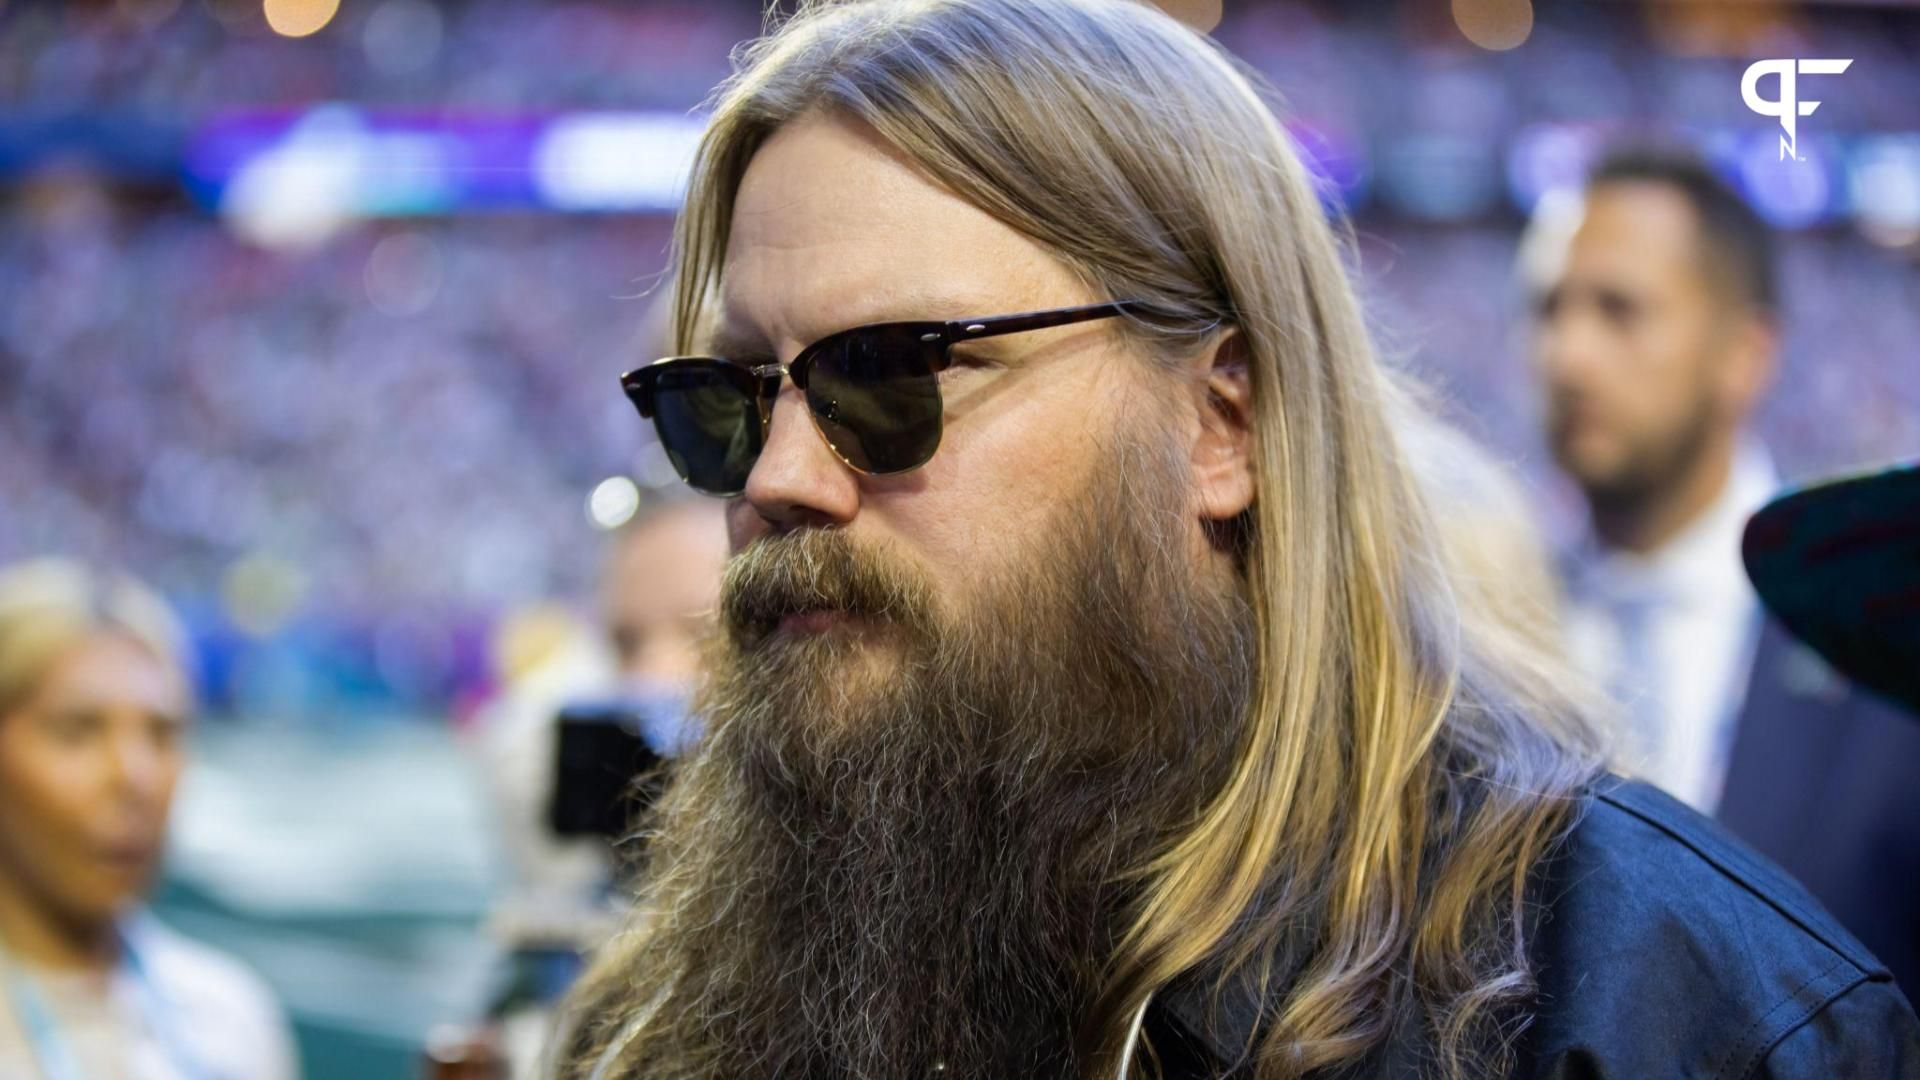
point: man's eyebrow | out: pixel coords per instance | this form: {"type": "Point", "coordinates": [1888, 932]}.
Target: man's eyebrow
{"type": "Point", "coordinates": [731, 341]}
{"type": "Point", "coordinates": [734, 340]}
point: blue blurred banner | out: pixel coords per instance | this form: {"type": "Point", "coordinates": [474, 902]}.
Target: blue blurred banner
{"type": "Point", "coordinates": [337, 162]}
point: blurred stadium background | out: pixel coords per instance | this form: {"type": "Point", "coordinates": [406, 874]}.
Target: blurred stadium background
{"type": "Point", "coordinates": [310, 312]}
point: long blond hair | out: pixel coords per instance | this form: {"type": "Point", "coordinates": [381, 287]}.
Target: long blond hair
{"type": "Point", "coordinates": [1405, 759]}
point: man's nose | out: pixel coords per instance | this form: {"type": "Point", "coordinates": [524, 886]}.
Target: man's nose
{"type": "Point", "coordinates": [799, 480]}
{"type": "Point", "coordinates": [1568, 346]}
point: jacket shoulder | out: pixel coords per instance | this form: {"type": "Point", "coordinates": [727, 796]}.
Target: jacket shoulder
{"type": "Point", "coordinates": [1665, 946]}
{"type": "Point", "coordinates": [1638, 826]}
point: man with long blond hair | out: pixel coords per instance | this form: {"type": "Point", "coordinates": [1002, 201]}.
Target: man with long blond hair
{"type": "Point", "coordinates": [1091, 695]}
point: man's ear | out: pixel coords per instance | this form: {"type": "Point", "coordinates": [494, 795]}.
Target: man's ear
{"type": "Point", "coordinates": [1748, 367]}
{"type": "Point", "coordinates": [1746, 364]}
{"type": "Point", "coordinates": [1222, 451]}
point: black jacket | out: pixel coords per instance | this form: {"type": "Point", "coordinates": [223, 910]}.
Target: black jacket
{"type": "Point", "coordinates": [1822, 782]}
{"type": "Point", "coordinates": [1666, 949]}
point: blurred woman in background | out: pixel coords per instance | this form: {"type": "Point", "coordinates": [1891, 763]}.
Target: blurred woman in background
{"type": "Point", "coordinates": [94, 704]}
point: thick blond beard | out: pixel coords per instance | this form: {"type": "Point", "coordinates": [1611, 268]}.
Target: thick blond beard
{"type": "Point", "coordinates": [892, 879]}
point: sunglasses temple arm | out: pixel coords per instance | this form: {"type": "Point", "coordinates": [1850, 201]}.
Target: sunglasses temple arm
{"type": "Point", "coordinates": [968, 329]}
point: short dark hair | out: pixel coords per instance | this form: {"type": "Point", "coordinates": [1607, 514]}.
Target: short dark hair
{"type": "Point", "coordinates": [1737, 246]}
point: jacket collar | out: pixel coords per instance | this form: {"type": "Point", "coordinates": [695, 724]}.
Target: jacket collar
{"type": "Point", "coordinates": [1225, 1025]}
{"type": "Point", "coordinates": [1225, 1018]}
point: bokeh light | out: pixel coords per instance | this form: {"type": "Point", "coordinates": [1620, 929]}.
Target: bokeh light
{"type": "Point", "coordinates": [403, 273]}
{"type": "Point", "coordinates": [1495, 25]}
{"type": "Point", "coordinates": [261, 592]}
{"type": "Point", "coordinates": [1884, 189]}
{"type": "Point", "coordinates": [299, 18]}
{"type": "Point", "coordinates": [527, 638]}
{"type": "Point", "coordinates": [1789, 194]}
{"type": "Point", "coordinates": [614, 502]}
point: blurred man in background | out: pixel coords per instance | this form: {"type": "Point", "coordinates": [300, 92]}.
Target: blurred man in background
{"type": "Point", "coordinates": [1656, 331]}
{"type": "Point", "coordinates": [658, 595]}
{"type": "Point", "coordinates": [94, 705]}
{"type": "Point", "coordinates": [659, 587]}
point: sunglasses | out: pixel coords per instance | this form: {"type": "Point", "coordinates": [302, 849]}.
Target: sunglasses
{"type": "Point", "coordinates": [873, 392]}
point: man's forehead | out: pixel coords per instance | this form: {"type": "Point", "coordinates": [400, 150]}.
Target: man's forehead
{"type": "Point", "coordinates": [834, 228]}
{"type": "Point", "coordinates": [1639, 228]}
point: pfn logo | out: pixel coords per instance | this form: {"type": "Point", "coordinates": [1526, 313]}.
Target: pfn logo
{"type": "Point", "coordinates": [1788, 106]}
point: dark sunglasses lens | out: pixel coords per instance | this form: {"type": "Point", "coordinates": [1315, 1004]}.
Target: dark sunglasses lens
{"type": "Point", "coordinates": [709, 425]}
{"type": "Point", "coordinates": [876, 397]}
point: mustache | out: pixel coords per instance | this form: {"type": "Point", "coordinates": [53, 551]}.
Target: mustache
{"type": "Point", "coordinates": [818, 570]}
